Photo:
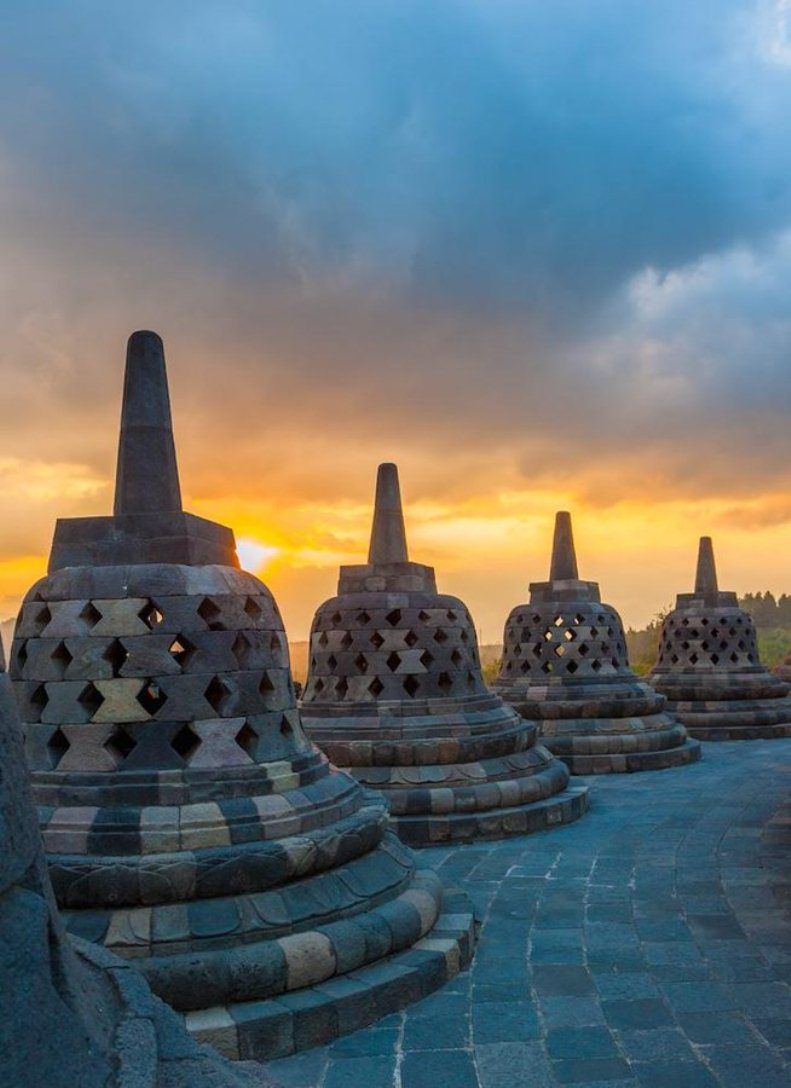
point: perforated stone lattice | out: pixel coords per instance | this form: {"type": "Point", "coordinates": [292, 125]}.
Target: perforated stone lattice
{"type": "Point", "coordinates": [112, 683]}
{"type": "Point", "coordinates": [410, 652]}
{"type": "Point", "coordinates": [705, 641]}
{"type": "Point", "coordinates": [580, 641]}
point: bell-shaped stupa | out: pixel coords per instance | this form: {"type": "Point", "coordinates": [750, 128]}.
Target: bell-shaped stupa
{"type": "Point", "coordinates": [189, 823]}
{"type": "Point", "coordinates": [70, 1014]}
{"type": "Point", "coordinates": [396, 696]}
{"type": "Point", "coordinates": [565, 663]}
{"type": "Point", "coordinates": [709, 667]}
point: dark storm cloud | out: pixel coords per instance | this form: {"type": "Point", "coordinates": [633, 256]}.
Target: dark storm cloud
{"type": "Point", "coordinates": [554, 233]}
{"type": "Point", "coordinates": [486, 153]}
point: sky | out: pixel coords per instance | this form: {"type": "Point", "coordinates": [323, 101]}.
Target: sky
{"type": "Point", "coordinates": [538, 254]}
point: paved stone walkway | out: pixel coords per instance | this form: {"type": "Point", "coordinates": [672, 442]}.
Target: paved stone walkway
{"type": "Point", "coordinates": [647, 946]}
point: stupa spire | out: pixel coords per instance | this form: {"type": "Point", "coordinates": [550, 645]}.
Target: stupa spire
{"type": "Point", "coordinates": [706, 574]}
{"type": "Point", "coordinates": [147, 478]}
{"type": "Point", "coordinates": [563, 567]}
{"type": "Point", "coordinates": [388, 535]}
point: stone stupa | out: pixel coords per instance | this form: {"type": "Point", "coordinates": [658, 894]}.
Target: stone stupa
{"type": "Point", "coordinates": [190, 825]}
{"type": "Point", "coordinates": [565, 663]}
{"type": "Point", "coordinates": [709, 667]}
{"type": "Point", "coordinates": [395, 695]}
{"type": "Point", "coordinates": [71, 1014]}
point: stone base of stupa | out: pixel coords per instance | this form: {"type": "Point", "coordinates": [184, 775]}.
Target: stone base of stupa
{"type": "Point", "coordinates": [150, 1047]}
{"type": "Point", "coordinates": [734, 706]}
{"type": "Point", "coordinates": [604, 728]}
{"type": "Point", "coordinates": [315, 1015]}
{"type": "Point", "coordinates": [452, 770]}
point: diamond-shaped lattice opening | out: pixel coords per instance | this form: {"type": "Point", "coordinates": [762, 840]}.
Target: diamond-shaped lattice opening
{"type": "Point", "coordinates": [20, 654]}
{"type": "Point", "coordinates": [240, 649]}
{"type": "Point", "coordinates": [557, 621]}
{"type": "Point", "coordinates": [451, 615]}
{"type": "Point", "coordinates": [594, 632]}
{"type": "Point", "coordinates": [456, 658]}
{"type": "Point", "coordinates": [266, 686]}
{"type": "Point", "coordinates": [116, 655]}
{"type": "Point", "coordinates": [740, 644]}
{"type": "Point", "coordinates": [62, 657]}
{"type": "Point", "coordinates": [363, 617]}
{"type": "Point", "coordinates": [423, 616]}
{"type": "Point", "coordinates": [715, 659]}
{"type": "Point", "coordinates": [90, 614]}
{"type": "Point", "coordinates": [275, 646]}
{"type": "Point", "coordinates": [342, 687]}
{"type": "Point", "coordinates": [596, 665]}
{"type": "Point", "coordinates": [463, 635]}
{"type": "Point", "coordinates": [538, 650]}
{"type": "Point", "coordinates": [393, 661]}
{"type": "Point", "coordinates": [182, 650]}
{"type": "Point", "coordinates": [704, 645]}
{"type": "Point", "coordinates": [685, 622]}
{"type": "Point", "coordinates": [517, 650]}
{"type": "Point", "coordinates": [547, 635]}
{"type": "Point", "coordinates": [38, 700]}
{"type": "Point", "coordinates": [335, 618]}
{"type": "Point", "coordinates": [693, 633]}
{"type": "Point", "coordinates": [674, 659]}
{"type": "Point", "coordinates": [376, 687]}
{"type": "Point", "coordinates": [523, 668]}
{"type": "Point", "coordinates": [151, 615]}
{"type": "Point", "coordinates": [151, 697]}
{"type": "Point", "coordinates": [394, 617]}
{"type": "Point", "coordinates": [185, 743]}
{"type": "Point", "coordinates": [318, 685]}
{"type": "Point", "coordinates": [376, 640]}
{"type": "Point", "coordinates": [750, 658]}
{"type": "Point", "coordinates": [120, 744]}
{"type": "Point", "coordinates": [444, 681]}
{"type": "Point", "coordinates": [217, 694]}
{"type": "Point", "coordinates": [560, 651]}
{"type": "Point", "coordinates": [323, 639]}
{"type": "Point", "coordinates": [91, 698]}
{"type": "Point", "coordinates": [569, 635]}
{"type": "Point", "coordinates": [411, 686]}
{"type": "Point", "coordinates": [411, 639]}
{"type": "Point", "coordinates": [440, 635]}
{"type": "Point", "coordinates": [246, 738]}
{"type": "Point", "coordinates": [253, 608]}
{"type": "Point", "coordinates": [694, 659]}
{"type": "Point", "coordinates": [724, 644]}
{"type": "Point", "coordinates": [361, 663]}
{"type": "Point", "coordinates": [57, 747]}
{"type": "Point", "coordinates": [572, 666]}
{"type": "Point", "coordinates": [734, 657]}
{"type": "Point", "coordinates": [41, 618]}
{"type": "Point", "coordinates": [614, 662]}
{"type": "Point", "coordinates": [210, 613]}
{"type": "Point", "coordinates": [332, 661]}
{"type": "Point", "coordinates": [426, 659]}
{"type": "Point", "coordinates": [547, 666]}
{"type": "Point", "coordinates": [578, 619]}
{"type": "Point", "coordinates": [286, 728]}
{"type": "Point", "coordinates": [583, 650]}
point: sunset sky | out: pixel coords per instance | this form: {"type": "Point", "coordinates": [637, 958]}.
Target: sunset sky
{"type": "Point", "coordinates": [538, 253]}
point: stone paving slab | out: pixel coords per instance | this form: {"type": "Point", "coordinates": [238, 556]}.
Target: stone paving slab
{"type": "Point", "coordinates": [648, 946]}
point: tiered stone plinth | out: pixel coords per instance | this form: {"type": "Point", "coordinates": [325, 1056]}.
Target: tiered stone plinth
{"type": "Point", "coordinates": [395, 695]}
{"type": "Point", "coordinates": [709, 667]}
{"type": "Point", "coordinates": [565, 663]}
{"type": "Point", "coordinates": [70, 1014]}
{"type": "Point", "coordinates": [190, 825]}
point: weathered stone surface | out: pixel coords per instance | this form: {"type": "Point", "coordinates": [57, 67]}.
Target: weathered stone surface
{"type": "Point", "coordinates": [191, 826]}
{"type": "Point", "coordinates": [709, 668]}
{"type": "Point", "coordinates": [396, 696]}
{"type": "Point", "coordinates": [565, 663]}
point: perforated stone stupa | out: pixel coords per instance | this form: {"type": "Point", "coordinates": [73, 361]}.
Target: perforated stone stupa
{"type": "Point", "coordinates": [71, 1014]}
{"type": "Point", "coordinates": [395, 694]}
{"type": "Point", "coordinates": [709, 667]}
{"type": "Point", "coordinates": [190, 825]}
{"type": "Point", "coordinates": [565, 663]}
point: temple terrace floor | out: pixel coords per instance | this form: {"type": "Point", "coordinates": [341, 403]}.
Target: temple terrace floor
{"type": "Point", "coordinates": [646, 946]}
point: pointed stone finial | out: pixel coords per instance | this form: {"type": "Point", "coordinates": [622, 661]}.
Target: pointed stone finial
{"type": "Point", "coordinates": [147, 479]}
{"type": "Point", "coordinates": [706, 574]}
{"type": "Point", "coordinates": [388, 535]}
{"type": "Point", "coordinates": [563, 567]}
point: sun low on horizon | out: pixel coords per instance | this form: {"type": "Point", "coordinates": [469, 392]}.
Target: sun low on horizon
{"type": "Point", "coordinates": [537, 255]}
